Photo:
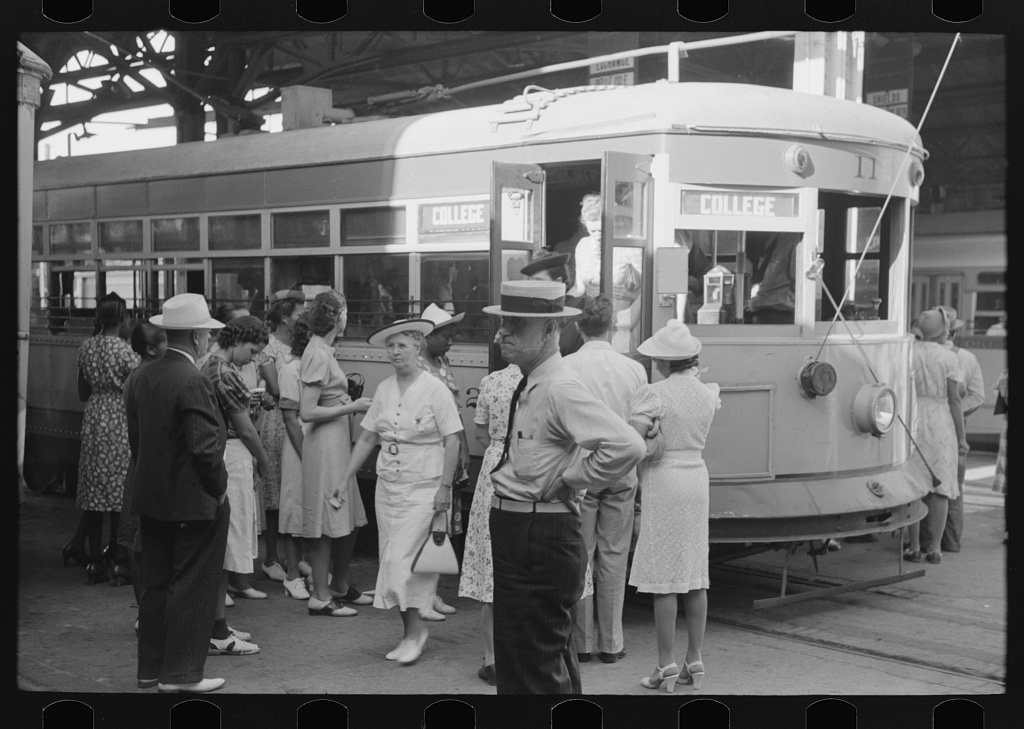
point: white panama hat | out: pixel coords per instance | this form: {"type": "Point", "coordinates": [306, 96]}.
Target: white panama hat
{"type": "Point", "coordinates": [672, 342]}
{"type": "Point", "coordinates": [440, 317]}
{"type": "Point", "coordinates": [185, 311]}
{"type": "Point", "coordinates": [532, 299]}
{"type": "Point", "coordinates": [380, 336]}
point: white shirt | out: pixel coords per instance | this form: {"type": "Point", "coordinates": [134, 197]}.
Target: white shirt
{"type": "Point", "coordinates": [972, 386]}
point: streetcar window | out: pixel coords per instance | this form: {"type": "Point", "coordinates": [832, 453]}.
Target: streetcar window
{"type": "Point", "coordinates": [37, 239]}
{"type": "Point", "coordinates": [71, 238]}
{"type": "Point", "coordinates": [293, 272]}
{"type": "Point", "coordinates": [40, 288]}
{"type": "Point", "coordinates": [458, 283]}
{"type": "Point", "coordinates": [373, 226]}
{"type": "Point", "coordinates": [72, 285]}
{"type": "Point", "coordinates": [239, 281]}
{"type": "Point", "coordinates": [307, 229]}
{"type": "Point", "coordinates": [377, 290]}
{"type": "Point", "coordinates": [991, 301]}
{"type": "Point", "coordinates": [234, 232]}
{"type": "Point", "coordinates": [121, 236]}
{"type": "Point", "coordinates": [175, 234]}
{"type": "Point", "coordinates": [992, 278]}
{"type": "Point", "coordinates": [125, 279]}
{"type": "Point", "coordinates": [174, 276]}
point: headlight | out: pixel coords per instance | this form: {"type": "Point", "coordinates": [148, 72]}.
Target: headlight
{"type": "Point", "coordinates": [874, 409]}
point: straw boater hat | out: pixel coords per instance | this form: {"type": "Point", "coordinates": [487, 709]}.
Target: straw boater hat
{"type": "Point", "coordinates": [379, 337]}
{"type": "Point", "coordinates": [532, 299]}
{"type": "Point", "coordinates": [440, 317]}
{"type": "Point", "coordinates": [932, 324]}
{"type": "Point", "coordinates": [544, 262]}
{"type": "Point", "coordinates": [673, 341]}
{"type": "Point", "coordinates": [185, 311]}
{"type": "Point", "coordinates": [950, 313]}
{"type": "Point", "coordinates": [287, 294]}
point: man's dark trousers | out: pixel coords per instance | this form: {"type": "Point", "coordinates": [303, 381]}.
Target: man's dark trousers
{"type": "Point", "coordinates": [182, 567]}
{"type": "Point", "coordinates": [539, 567]}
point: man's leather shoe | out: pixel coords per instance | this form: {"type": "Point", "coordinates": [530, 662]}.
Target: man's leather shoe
{"type": "Point", "coordinates": [612, 657]}
{"type": "Point", "coordinates": [148, 683]}
{"type": "Point", "coordinates": [199, 687]}
{"type": "Point", "coordinates": [583, 657]}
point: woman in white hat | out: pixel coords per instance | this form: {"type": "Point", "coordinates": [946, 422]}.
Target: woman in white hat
{"type": "Point", "coordinates": [434, 359]}
{"type": "Point", "coordinates": [414, 420]}
{"type": "Point", "coordinates": [940, 430]}
{"type": "Point", "coordinates": [671, 554]}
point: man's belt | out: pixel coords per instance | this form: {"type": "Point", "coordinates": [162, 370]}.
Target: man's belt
{"type": "Point", "coordinates": [537, 507]}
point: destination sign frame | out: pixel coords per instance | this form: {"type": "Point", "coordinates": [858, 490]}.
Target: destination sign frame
{"type": "Point", "coordinates": [742, 208]}
{"type": "Point", "coordinates": [455, 217]}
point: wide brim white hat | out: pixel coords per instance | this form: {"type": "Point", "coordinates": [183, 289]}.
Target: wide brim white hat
{"type": "Point", "coordinates": [950, 313]}
{"type": "Point", "coordinates": [673, 341]}
{"type": "Point", "coordinates": [185, 311]}
{"type": "Point", "coordinates": [440, 317]}
{"type": "Point", "coordinates": [380, 336]}
{"type": "Point", "coordinates": [532, 299]}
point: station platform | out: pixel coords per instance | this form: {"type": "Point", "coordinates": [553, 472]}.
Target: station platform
{"type": "Point", "coordinates": [77, 637]}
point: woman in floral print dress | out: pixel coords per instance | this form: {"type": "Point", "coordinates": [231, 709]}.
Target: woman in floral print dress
{"type": "Point", "coordinates": [104, 363]}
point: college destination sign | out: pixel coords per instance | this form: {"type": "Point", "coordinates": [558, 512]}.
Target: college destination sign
{"type": "Point", "coordinates": [735, 203]}
{"type": "Point", "coordinates": [452, 217]}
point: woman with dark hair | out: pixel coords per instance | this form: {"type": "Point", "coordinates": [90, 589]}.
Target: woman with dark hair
{"type": "Point", "coordinates": [671, 555]}
{"type": "Point", "coordinates": [332, 509]}
{"type": "Point", "coordinates": [104, 363]}
{"type": "Point", "coordinates": [149, 342]}
{"type": "Point", "coordinates": [285, 309]}
{"type": "Point", "coordinates": [290, 499]}
{"type": "Point", "coordinates": [237, 344]}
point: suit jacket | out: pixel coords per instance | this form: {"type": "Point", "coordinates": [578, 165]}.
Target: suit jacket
{"type": "Point", "coordinates": [177, 435]}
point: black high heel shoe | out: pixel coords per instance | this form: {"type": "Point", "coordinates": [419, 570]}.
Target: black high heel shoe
{"type": "Point", "coordinates": [96, 573]}
{"type": "Point", "coordinates": [109, 555]}
{"type": "Point", "coordinates": [69, 552]}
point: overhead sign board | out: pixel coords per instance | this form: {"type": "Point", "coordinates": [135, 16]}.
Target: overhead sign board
{"type": "Point", "coordinates": [896, 101]}
{"type": "Point", "coordinates": [740, 203]}
{"type": "Point", "coordinates": [450, 217]}
{"type": "Point", "coordinates": [618, 64]}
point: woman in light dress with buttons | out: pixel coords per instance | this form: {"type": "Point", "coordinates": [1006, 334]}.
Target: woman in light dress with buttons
{"type": "Point", "coordinates": [671, 554]}
{"type": "Point", "coordinates": [414, 420]}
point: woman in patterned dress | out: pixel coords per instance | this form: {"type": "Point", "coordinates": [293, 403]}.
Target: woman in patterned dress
{"type": "Point", "coordinates": [671, 554]}
{"type": "Point", "coordinates": [285, 309]}
{"type": "Point", "coordinates": [332, 509]}
{"type": "Point", "coordinates": [104, 363]}
{"type": "Point", "coordinates": [433, 358]}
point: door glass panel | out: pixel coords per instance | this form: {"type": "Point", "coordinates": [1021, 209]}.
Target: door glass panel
{"type": "Point", "coordinates": [516, 215]}
{"type": "Point", "coordinates": [627, 303]}
{"type": "Point", "coordinates": [511, 262]}
{"type": "Point", "coordinates": [239, 281]}
{"type": "Point", "coordinates": [629, 212]}
{"type": "Point", "coordinates": [307, 229]}
{"type": "Point", "coordinates": [377, 290]}
{"type": "Point", "coordinates": [121, 236]}
{"type": "Point", "coordinates": [234, 232]}
{"type": "Point", "coordinates": [175, 234]}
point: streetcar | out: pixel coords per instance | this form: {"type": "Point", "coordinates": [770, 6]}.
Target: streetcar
{"type": "Point", "coordinates": [813, 437]}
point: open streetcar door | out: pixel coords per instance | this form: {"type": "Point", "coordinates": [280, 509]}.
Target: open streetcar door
{"type": "Point", "coordinates": [626, 241]}
{"type": "Point", "coordinates": [517, 230]}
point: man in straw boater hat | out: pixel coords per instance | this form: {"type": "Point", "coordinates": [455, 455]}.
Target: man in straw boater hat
{"type": "Point", "coordinates": [177, 438]}
{"type": "Point", "coordinates": [560, 440]}
{"type": "Point", "coordinates": [972, 397]}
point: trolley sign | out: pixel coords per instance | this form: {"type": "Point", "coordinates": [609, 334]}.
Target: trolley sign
{"type": "Point", "coordinates": [741, 208]}
{"type": "Point", "coordinates": [454, 217]}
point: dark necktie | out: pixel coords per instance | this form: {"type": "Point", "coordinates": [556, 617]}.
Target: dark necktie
{"type": "Point", "coordinates": [511, 415]}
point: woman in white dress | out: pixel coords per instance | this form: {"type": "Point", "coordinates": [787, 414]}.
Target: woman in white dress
{"type": "Point", "coordinates": [414, 420]}
{"type": "Point", "coordinates": [940, 433]}
{"type": "Point", "coordinates": [671, 554]}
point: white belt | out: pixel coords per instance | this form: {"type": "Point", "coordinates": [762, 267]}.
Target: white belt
{"type": "Point", "coordinates": [683, 456]}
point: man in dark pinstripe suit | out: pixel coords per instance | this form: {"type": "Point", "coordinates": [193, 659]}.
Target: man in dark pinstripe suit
{"type": "Point", "coordinates": [177, 437]}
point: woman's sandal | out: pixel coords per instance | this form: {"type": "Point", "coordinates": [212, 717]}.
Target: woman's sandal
{"type": "Point", "coordinates": [660, 676]}
{"type": "Point", "coordinates": [912, 555]}
{"type": "Point", "coordinates": [692, 676]}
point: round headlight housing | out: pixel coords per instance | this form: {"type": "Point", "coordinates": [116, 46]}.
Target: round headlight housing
{"type": "Point", "coordinates": [874, 409]}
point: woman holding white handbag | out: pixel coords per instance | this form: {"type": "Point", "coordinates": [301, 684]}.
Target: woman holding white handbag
{"type": "Point", "coordinates": [414, 420]}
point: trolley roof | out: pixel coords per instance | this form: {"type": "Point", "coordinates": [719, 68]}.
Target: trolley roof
{"type": "Point", "coordinates": [565, 114]}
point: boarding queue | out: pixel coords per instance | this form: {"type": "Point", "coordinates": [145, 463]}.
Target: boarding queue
{"type": "Point", "coordinates": [207, 430]}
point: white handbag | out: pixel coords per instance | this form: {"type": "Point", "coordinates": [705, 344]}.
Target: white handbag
{"type": "Point", "coordinates": [437, 555]}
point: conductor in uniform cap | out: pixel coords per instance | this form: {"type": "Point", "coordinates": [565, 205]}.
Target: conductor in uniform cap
{"type": "Point", "coordinates": [560, 440]}
{"type": "Point", "coordinates": [549, 266]}
{"type": "Point", "coordinates": [177, 436]}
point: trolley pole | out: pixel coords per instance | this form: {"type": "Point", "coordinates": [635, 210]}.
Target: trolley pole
{"type": "Point", "coordinates": [32, 72]}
